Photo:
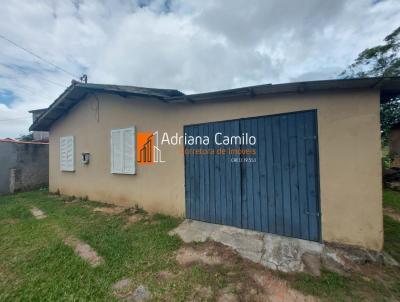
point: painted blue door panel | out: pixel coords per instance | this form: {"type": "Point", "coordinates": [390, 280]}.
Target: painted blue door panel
{"type": "Point", "coordinates": [212, 181]}
{"type": "Point", "coordinates": [275, 190]}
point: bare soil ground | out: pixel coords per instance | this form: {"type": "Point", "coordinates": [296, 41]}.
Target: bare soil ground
{"type": "Point", "coordinates": [247, 281]}
{"type": "Point", "coordinates": [109, 210]}
{"type": "Point", "coordinates": [39, 214]}
{"type": "Point", "coordinates": [84, 250]}
{"type": "Point", "coordinates": [392, 213]}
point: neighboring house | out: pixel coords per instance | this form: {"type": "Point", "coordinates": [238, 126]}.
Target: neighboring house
{"type": "Point", "coordinates": [24, 165]}
{"type": "Point", "coordinates": [313, 171]}
{"type": "Point", "coordinates": [42, 136]}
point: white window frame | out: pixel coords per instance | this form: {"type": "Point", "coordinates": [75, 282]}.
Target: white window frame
{"type": "Point", "coordinates": [67, 166]}
{"type": "Point", "coordinates": [122, 169]}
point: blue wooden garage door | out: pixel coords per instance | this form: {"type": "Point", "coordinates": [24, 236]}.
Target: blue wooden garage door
{"type": "Point", "coordinates": [275, 190]}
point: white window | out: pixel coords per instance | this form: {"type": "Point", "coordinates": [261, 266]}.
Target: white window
{"type": "Point", "coordinates": [67, 148]}
{"type": "Point", "coordinates": [123, 151]}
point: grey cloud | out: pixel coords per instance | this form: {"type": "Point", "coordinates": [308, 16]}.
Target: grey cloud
{"type": "Point", "coordinates": [189, 45]}
{"type": "Point", "coordinates": [251, 22]}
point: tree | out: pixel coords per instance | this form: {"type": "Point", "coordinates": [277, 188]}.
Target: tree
{"type": "Point", "coordinates": [26, 137]}
{"type": "Point", "coordinates": [378, 61]}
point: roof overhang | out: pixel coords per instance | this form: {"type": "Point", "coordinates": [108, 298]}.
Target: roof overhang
{"type": "Point", "coordinates": [78, 91]}
{"type": "Point", "coordinates": [389, 87]}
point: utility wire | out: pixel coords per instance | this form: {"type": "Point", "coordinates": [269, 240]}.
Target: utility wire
{"type": "Point", "coordinates": [41, 77]}
{"type": "Point", "coordinates": [51, 82]}
{"type": "Point", "coordinates": [37, 56]}
{"type": "Point", "coordinates": [14, 119]}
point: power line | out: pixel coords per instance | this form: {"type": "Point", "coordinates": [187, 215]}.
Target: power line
{"type": "Point", "coordinates": [40, 77]}
{"type": "Point", "coordinates": [51, 82]}
{"type": "Point", "coordinates": [14, 119]}
{"type": "Point", "coordinates": [37, 56]}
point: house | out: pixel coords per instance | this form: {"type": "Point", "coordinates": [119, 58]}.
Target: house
{"type": "Point", "coordinates": [42, 136]}
{"type": "Point", "coordinates": [299, 159]}
{"type": "Point", "coordinates": [24, 165]}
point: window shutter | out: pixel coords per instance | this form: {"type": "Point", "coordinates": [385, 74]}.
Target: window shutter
{"type": "Point", "coordinates": [116, 151]}
{"type": "Point", "coordinates": [123, 151]}
{"type": "Point", "coordinates": [129, 150]}
{"type": "Point", "coordinates": [63, 155]}
{"type": "Point", "coordinates": [67, 154]}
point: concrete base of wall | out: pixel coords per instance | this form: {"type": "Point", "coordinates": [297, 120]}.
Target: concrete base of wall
{"type": "Point", "coordinates": [282, 253]}
{"type": "Point", "coordinates": [273, 251]}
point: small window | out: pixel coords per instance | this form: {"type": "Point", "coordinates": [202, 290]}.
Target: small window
{"type": "Point", "coordinates": [67, 148]}
{"type": "Point", "coordinates": [123, 151]}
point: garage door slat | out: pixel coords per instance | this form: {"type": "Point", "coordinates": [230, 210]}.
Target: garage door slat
{"type": "Point", "coordinates": [261, 159]}
{"type": "Point", "coordinates": [229, 180]}
{"type": "Point", "coordinates": [270, 176]}
{"type": "Point", "coordinates": [294, 180]}
{"type": "Point", "coordinates": [211, 182]}
{"type": "Point", "coordinates": [302, 174]}
{"type": "Point", "coordinates": [286, 204]}
{"type": "Point", "coordinates": [277, 163]}
{"type": "Point", "coordinates": [312, 210]}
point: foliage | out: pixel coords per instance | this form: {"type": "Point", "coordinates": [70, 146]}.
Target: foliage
{"type": "Point", "coordinates": [390, 115]}
{"type": "Point", "coordinates": [378, 61]}
{"type": "Point", "coordinates": [26, 137]}
{"type": "Point", "coordinates": [386, 156]}
{"type": "Point", "coordinates": [381, 60]}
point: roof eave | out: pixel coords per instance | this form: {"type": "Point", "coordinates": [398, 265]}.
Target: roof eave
{"type": "Point", "coordinates": [389, 87]}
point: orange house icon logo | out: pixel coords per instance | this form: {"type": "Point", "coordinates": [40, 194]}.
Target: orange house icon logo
{"type": "Point", "coordinates": [147, 148]}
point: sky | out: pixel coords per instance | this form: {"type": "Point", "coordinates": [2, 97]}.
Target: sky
{"type": "Point", "coordinates": [189, 45]}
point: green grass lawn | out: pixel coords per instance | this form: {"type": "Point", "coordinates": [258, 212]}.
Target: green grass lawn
{"type": "Point", "coordinates": [357, 287]}
{"type": "Point", "coordinates": [391, 199]}
{"type": "Point", "coordinates": [36, 265]}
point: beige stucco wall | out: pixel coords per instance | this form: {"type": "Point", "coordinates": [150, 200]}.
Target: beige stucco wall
{"type": "Point", "coordinates": [349, 152]}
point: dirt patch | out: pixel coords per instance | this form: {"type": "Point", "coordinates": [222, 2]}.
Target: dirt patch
{"type": "Point", "coordinates": [133, 219]}
{"type": "Point", "coordinates": [150, 221]}
{"type": "Point", "coordinates": [373, 271]}
{"type": "Point", "coordinates": [247, 281]}
{"type": "Point", "coordinates": [109, 210]}
{"type": "Point", "coordinates": [209, 253]}
{"type": "Point", "coordinates": [72, 202]}
{"type": "Point", "coordinates": [276, 289]}
{"type": "Point", "coordinates": [122, 288]}
{"type": "Point", "coordinates": [228, 297]}
{"type": "Point", "coordinates": [39, 214]}
{"type": "Point", "coordinates": [9, 221]}
{"type": "Point", "coordinates": [392, 213]}
{"type": "Point", "coordinates": [121, 285]}
{"type": "Point", "coordinates": [84, 251]}
{"type": "Point", "coordinates": [346, 260]}
{"type": "Point", "coordinates": [201, 293]}
{"type": "Point", "coordinates": [164, 275]}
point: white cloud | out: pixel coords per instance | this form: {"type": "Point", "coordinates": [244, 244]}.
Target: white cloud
{"type": "Point", "coordinates": [189, 45]}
